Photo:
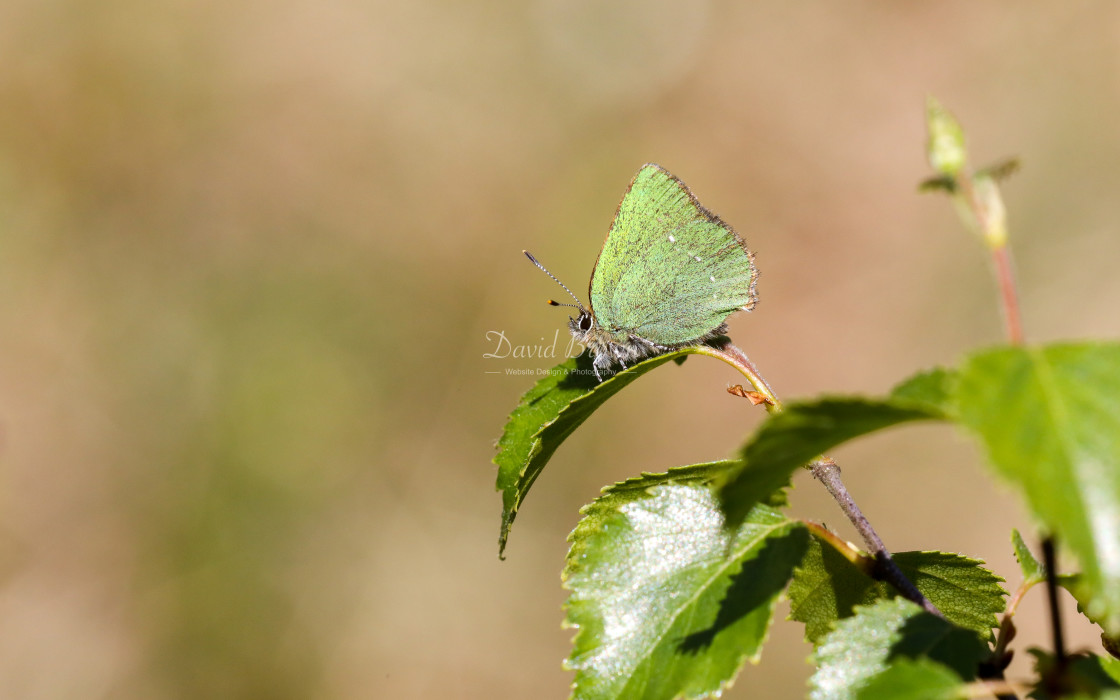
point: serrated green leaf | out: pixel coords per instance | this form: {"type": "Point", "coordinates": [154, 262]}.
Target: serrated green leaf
{"type": "Point", "coordinates": [968, 594]}
{"type": "Point", "coordinates": [547, 414]}
{"type": "Point", "coordinates": [921, 679]}
{"type": "Point", "coordinates": [827, 587]}
{"type": "Point", "coordinates": [668, 602]}
{"type": "Point", "coordinates": [879, 635]}
{"type": "Point", "coordinates": [1034, 571]}
{"type": "Point", "coordinates": [1077, 587]}
{"type": "Point", "coordinates": [801, 432]}
{"type": "Point", "coordinates": [615, 496]}
{"type": "Point", "coordinates": [1050, 420]}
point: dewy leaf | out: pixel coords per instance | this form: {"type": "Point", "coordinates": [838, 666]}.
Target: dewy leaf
{"type": "Point", "coordinates": [547, 415]}
{"type": "Point", "coordinates": [883, 634]}
{"type": "Point", "coordinates": [634, 489]}
{"type": "Point", "coordinates": [667, 601]}
{"type": "Point", "coordinates": [1034, 571]}
{"type": "Point", "coordinates": [826, 587]}
{"type": "Point", "coordinates": [1050, 420]}
{"type": "Point", "coordinates": [914, 680]}
{"type": "Point", "coordinates": [802, 431]}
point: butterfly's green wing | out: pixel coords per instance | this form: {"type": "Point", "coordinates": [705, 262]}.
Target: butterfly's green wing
{"type": "Point", "coordinates": [670, 270]}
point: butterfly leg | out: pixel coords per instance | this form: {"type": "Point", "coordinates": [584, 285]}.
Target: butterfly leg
{"type": "Point", "coordinates": [602, 361]}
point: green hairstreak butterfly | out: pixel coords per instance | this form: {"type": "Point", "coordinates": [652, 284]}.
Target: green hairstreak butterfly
{"type": "Point", "coordinates": [668, 276]}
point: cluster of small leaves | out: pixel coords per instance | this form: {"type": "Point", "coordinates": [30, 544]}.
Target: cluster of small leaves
{"type": "Point", "coordinates": [674, 576]}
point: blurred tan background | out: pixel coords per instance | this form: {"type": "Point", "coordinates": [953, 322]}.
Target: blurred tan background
{"type": "Point", "coordinates": [250, 253]}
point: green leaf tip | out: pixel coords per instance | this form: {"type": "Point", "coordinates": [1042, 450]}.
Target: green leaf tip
{"type": "Point", "coordinates": [546, 415]}
{"type": "Point", "coordinates": [1034, 571]}
{"type": "Point", "coordinates": [945, 148]}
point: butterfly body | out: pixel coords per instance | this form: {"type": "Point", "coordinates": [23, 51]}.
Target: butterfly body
{"type": "Point", "coordinates": [669, 273]}
{"type": "Point", "coordinates": [608, 347]}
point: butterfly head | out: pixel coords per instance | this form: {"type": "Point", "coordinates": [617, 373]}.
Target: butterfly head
{"type": "Point", "coordinates": [581, 326]}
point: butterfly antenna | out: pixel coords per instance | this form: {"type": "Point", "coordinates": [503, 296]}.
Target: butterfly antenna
{"type": "Point", "coordinates": [578, 304]}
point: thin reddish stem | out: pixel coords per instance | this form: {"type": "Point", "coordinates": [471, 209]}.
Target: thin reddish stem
{"type": "Point", "coordinates": [1008, 293]}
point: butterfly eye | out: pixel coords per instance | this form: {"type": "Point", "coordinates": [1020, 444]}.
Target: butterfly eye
{"type": "Point", "coordinates": [585, 322]}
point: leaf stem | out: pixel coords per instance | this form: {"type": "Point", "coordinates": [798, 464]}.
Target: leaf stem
{"type": "Point", "coordinates": [827, 472]}
{"type": "Point", "coordinates": [1008, 293]}
{"type": "Point", "coordinates": [847, 550]}
{"type": "Point", "coordinates": [992, 671]}
{"type": "Point", "coordinates": [738, 359]}
{"type": "Point", "coordinates": [1007, 626]}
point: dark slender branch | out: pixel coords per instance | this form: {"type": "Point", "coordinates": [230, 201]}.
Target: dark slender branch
{"type": "Point", "coordinates": [1048, 558]}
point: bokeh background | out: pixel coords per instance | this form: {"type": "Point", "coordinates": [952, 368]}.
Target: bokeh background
{"type": "Point", "coordinates": [252, 255]}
